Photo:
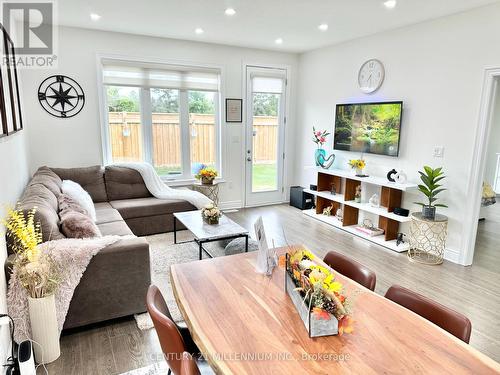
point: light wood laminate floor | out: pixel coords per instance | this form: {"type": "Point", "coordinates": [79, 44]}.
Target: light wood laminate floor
{"type": "Point", "coordinates": [120, 346]}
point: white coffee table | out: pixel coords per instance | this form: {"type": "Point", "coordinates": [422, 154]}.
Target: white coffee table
{"type": "Point", "coordinates": [203, 232]}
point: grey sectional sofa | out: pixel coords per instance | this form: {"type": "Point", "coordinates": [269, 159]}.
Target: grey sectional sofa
{"type": "Point", "coordinates": [117, 278]}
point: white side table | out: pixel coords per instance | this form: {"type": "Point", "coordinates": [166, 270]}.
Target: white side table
{"type": "Point", "coordinates": [209, 190]}
{"type": "Point", "coordinates": [427, 239]}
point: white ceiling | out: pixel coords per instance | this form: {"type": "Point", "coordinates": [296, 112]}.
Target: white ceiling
{"type": "Point", "coordinates": [257, 23]}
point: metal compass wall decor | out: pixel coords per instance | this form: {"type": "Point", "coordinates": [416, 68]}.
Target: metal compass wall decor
{"type": "Point", "coordinates": [61, 96]}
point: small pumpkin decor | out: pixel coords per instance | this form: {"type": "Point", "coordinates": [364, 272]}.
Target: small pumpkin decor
{"type": "Point", "coordinates": [206, 175]}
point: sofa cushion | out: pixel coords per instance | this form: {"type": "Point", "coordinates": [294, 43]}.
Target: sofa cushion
{"type": "Point", "coordinates": [68, 203]}
{"type": "Point", "coordinates": [106, 214]}
{"type": "Point", "coordinates": [76, 191]}
{"type": "Point", "coordinates": [46, 214]}
{"type": "Point", "coordinates": [142, 207]}
{"type": "Point", "coordinates": [75, 224]}
{"type": "Point", "coordinates": [47, 178]}
{"type": "Point", "coordinates": [115, 228]}
{"type": "Point", "coordinates": [124, 183]}
{"type": "Point", "coordinates": [90, 178]}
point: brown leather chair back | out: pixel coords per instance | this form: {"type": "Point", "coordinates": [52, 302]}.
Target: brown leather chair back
{"type": "Point", "coordinates": [352, 269]}
{"type": "Point", "coordinates": [453, 322]}
{"type": "Point", "coordinates": [188, 365]}
{"type": "Point", "coordinates": [171, 341]}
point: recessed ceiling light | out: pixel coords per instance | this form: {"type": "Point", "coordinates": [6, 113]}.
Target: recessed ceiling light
{"type": "Point", "coordinates": [95, 17]}
{"type": "Point", "coordinates": [199, 30]}
{"type": "Point", "coordinates": [279, 41]}
{"type": "Point", "coordinates": [323, 27]}
{"type": "Point", "coordinates": [390, 4]}
{"type": "Point", "coordinates": [230, 12]}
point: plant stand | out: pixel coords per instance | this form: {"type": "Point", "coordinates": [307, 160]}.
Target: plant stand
{"type": "Point", "coordinates": [211, 191]}
{"type": "Point", "coordinates": [427, 239]}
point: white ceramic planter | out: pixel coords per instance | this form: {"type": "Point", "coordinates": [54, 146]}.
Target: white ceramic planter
{"type": "Point", "coordinates": [44, 328]}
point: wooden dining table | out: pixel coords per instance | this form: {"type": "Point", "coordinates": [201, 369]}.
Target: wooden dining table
{"type": "Point", "coordinates": [245, 323]}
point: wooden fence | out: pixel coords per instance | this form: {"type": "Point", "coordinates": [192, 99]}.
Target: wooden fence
{"type": "Point", "coordinates": [126, 144]}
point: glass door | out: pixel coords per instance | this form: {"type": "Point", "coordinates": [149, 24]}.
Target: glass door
{"type": "Point", "coordinates": [266, 98]}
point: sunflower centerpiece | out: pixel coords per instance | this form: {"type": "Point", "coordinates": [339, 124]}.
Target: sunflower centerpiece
{"type": "Point", "coordinates": [319, 289]}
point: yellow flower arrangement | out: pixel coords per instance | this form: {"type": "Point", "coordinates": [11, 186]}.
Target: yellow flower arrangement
{"type": "Point", "coordinates": [26, 235]}
{"type": "Point", "coordinates": [206, 173]}
{"type": "Point", "coordinates": [36, 271]}
{"type": "Point", "coordinates": [357, 164]}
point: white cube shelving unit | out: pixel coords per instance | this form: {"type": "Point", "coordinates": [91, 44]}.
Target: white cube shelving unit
{"type": "Point", "coordinates": [345, 186]}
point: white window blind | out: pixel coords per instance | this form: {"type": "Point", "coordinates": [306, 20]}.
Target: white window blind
{"type": "Point", "coordinates": [270, 85]}
{"type": "Point", "coordinates": [160, 76]}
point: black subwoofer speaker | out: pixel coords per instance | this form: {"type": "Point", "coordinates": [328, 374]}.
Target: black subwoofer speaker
{"type": "Point", "coordinates": [299, 199]}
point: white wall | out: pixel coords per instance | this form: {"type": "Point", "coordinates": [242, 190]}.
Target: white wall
{"type": "Point", "coordinates": [77, 141]}
{"type": "Point", "coordinates": [437, 69]}
{"type": "Point", "coordinates": [13, 179]}
{"type": "Point", "coordinates": [494, 141]}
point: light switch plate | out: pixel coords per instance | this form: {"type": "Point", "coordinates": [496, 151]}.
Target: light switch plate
{"type": "Point", "coordinates": [438, 151]}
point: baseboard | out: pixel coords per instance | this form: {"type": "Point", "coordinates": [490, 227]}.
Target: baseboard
{"type": "Point", "coordinates": [452, 255]}
{"type": "Point", "coordinates": [230, 205]}
{"type": "Point", "coordinates": [267, 204]}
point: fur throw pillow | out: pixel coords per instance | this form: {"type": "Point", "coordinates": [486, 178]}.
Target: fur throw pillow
{"type": "Point", "coordinates": [75, 191]}
{"type": "Point", "coordinates": [66, 202]}
{"type": "Point", "coordinates": [78, 225]}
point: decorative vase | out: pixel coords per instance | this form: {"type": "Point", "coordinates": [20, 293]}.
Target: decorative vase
{"type": "Point", "coordinates": [44, 328]}
{"type": "Point", "coordinates": [401, 177]}
{"type": "Point", "coordinates": [359, 172]}
{"type": "Point", "coordinates": [357, 199]}
{"type": "Point", "coordinates": [320, 154]}
{"type": "Point", "coordinates": [429, 212]}
{"type": "Point", "coordinates": [207, 181]}
{"type": "Point", "coordinates": [212, 220]}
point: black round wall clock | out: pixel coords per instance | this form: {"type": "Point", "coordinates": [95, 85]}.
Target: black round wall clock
{"type": "Point", "coordinates": [61, 96]}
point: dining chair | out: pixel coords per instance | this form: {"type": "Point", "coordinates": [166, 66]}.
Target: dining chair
{"type": "Point", "coordinates": [449, 320]}
{"type": "Point", "coordinates": [174, 339]}
{"type": "Point", "coordinates": [351, 269]}
{"type": "Point", "coordinates": [188, 365]}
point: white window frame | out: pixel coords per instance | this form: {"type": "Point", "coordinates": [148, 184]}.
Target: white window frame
{"type": "Point", "coordinates": [146, 118]}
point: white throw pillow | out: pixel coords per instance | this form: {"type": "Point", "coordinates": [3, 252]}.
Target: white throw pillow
{"type": "Point", "coordinates": [75, 191]}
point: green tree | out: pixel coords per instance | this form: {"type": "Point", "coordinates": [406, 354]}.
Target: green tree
{"type": "Point", "coordinates": [199, 102]}
{"type": "Point", "coordinates": [265, 104]}
{"type": "Point", "coordinates": [119, 101]}
{"type": "Point", "coordinates": [165, 101]}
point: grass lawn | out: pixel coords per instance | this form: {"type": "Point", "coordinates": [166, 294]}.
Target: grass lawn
{"type": "Point", "coordinates": [264, 177]}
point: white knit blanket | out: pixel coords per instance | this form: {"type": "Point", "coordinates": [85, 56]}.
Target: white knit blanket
{"type": "Point", "coordinates": [72, 257]}
{"type": "Point", "coordinates": [158, 188]}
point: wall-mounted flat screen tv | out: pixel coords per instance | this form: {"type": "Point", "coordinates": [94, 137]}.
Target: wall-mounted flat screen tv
{"type": "Point", "coordinates": [368, 127]}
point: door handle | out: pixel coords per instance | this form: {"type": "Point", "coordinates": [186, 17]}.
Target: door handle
{"type": "Point", "coordinates": [249, 159]}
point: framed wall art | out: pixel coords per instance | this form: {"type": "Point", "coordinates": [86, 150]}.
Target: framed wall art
{"type": "Point", "coordinates": [10, 100]}
{"type": "Point", "coordinates": [15, 98]}
{"type": "Point", "coordinates": [234, 110]}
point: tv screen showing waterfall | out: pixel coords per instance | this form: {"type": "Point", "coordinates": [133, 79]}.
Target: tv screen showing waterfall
{"type": "Point", "coordinates": [368, 127]}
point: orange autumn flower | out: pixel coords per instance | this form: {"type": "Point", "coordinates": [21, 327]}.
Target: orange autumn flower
{"type": "Point", "coordinates": [321, 314]}
{"type": "Point", "coordinates": [346, 325]}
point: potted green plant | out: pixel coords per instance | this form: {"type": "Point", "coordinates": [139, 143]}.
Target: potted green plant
{"type": "Point", "coordinates": [431, 188]}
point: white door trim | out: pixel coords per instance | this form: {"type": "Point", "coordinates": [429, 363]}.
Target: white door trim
{"type": "Point", "coordinates": [477, 169]}
{"type": "Point", "coordinates": [284, 114]}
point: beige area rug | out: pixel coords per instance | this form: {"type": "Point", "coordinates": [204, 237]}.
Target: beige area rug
{"type": "Point", "coordinates": [163, 253]}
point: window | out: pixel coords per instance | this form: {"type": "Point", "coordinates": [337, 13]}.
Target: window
{"type": "Point", "coordinates": [165, 115]}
